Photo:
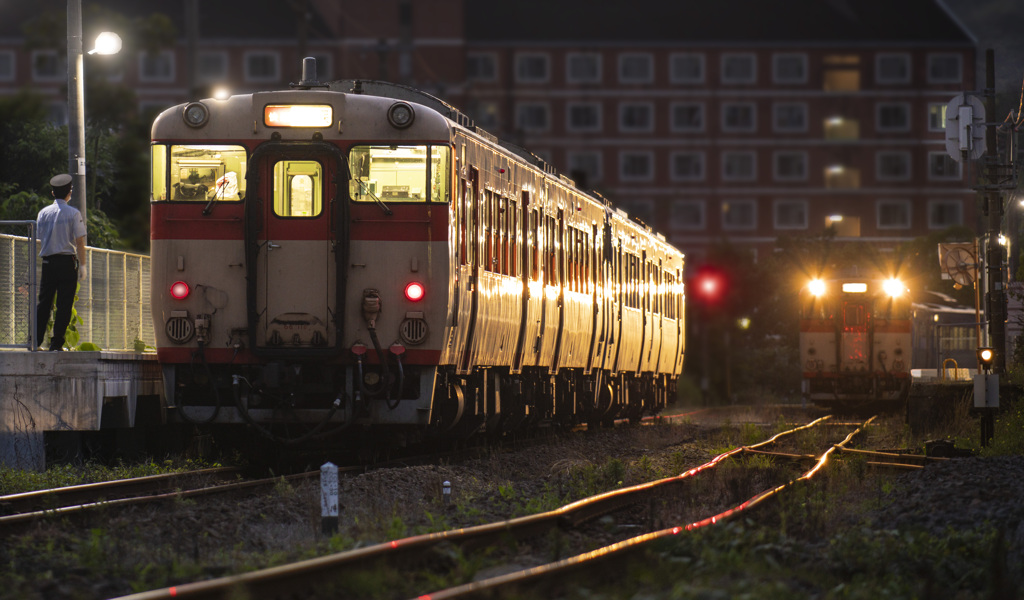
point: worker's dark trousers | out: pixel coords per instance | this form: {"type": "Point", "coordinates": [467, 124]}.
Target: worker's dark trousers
{"type": "Point", "coordinates": [60, 279]}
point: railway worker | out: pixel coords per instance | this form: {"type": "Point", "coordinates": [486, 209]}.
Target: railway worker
{"type": "Point", "coordinates": [61, 231]}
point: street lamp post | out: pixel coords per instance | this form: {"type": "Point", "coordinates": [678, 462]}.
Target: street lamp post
{"type": "Point", "coordinates": [76, 107]}
{"type": "Point", "coordinates": [106, 43]}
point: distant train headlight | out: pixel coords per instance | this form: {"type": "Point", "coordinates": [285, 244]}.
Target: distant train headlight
{"type": "Point", "coordinates": [180, 290]}
{"type": "Point", "coordinates": [195, 114]}
{"type": "Point", "coordinates": [816, 287]}
{"type": "Point", "coordinates": [894, 287]}
{"type": "Point", "coordinates": [401, 115]}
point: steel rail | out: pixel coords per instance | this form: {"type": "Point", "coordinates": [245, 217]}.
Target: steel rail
{"type": "Point", "coordinates": [487, 588]}
{"type": "Point", "coordinates": [78, 494]}
{"type": "Point", "coordinates": [11, 524]}
{"type": "Point", "coordinates": [293, 579]}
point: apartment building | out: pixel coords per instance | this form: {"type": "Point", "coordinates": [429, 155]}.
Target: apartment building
{"type": "Point", "coordinates": [737, 121]}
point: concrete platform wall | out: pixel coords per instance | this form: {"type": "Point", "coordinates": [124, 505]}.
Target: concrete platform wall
{"type": "Point", "coordinates": [68, 391]}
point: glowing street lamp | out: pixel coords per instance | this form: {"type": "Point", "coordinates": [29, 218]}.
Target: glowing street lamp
{"type": "Point", "coordinates": [107, 43]}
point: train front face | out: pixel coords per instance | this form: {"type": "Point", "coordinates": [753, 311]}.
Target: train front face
{"type": "Point", "coordinates": [300, 258]}
{"type": "Point", "coordinates": [855, 341]}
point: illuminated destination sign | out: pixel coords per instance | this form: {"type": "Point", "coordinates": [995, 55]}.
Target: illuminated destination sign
{"type": "Point", "coordinates": [298, 115]}
{"type": "Point", "coordinates": [855, 288]}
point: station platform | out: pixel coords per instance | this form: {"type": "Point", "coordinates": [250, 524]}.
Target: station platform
{"type": "Point", "coordinates": [43, 392]}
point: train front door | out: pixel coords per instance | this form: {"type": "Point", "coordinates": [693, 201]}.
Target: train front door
{"type": "Point", "coordinates": [856, 345]}
{"type": "Point", "coordinates": [294, 240]}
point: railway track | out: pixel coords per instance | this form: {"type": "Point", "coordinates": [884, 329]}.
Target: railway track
{"type": "Point", "coordinates": [305, 577]}
{"type": "Point", "coordinates": [22, 511]}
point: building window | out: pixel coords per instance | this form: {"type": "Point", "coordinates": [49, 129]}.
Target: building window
{"type": "Point", "coordinates": [48, 66]}
{"type": "Point", "coordinates": [841, 73]}
{"type": "Point", "coordinates": [893, 116]}
{"type": "Point", "coordinates": [937, 116]}
{"type": "Point", "coordinates": [892, 68]}
{"type": "Point", "coordinates": [739, 214]}
{"type": "Point", "coordinates": [945, 213]}
{"type": "Point", "coordinates": [790, 165]}
{"type": "Point", "coordinates": [790, 214]}
{"type": "Point", "coordinates": [790, 117]}
{"type": "Point", "coordinates": [7, 65]}
{"type": "Point", "coordinates": [636, 68]}
{"type": "Point", "coordinates": [687, 116]}
{"type": "Point", "coordinates": [892, 165]}
{"type": "Point", "coordinates": [532, 116]}
{"type": "Point", "coordinates": [585, 168]}
{"type": "Point", "coordinates": [739, 165]}
{"type": "Point", "coordinates": [687, 165]}
{"type": "Point", "coordinates": [484, 114]}
{"type": "Point", "coordinates": [739, 68]}
{"type": "Point", "coordinates": [636, 165]}
{"type": "Point", "coordinates": [686, 68]}
{"type": "Point", "coordinates": [213, 67]}
{"type": "Point", "coordinates": [481, 67]}
{"type": "Point", "coordinates": [640, 209]}
{"type": "Point", "coordinates": [262, 66]}
{"type": "Point", "coordinates": [945, 68]}
{"type": "Point", "coordinates": [893, 214]}
{"type": "Point", "coordinates": [583, 116]}
{"type": "Point", "coordinates": [583, 67]}
{"type": "Point", "coordinates": [841, 177]}
{"type": "Point", "coordinates": [687, 215]}
{"type": "Point", "coordinates": [156, 66]}
{"type": "Point", "coordinates": [942, 167]}
{"type": "Point", "coordinates": [636, 116]}
{"type": "Point", "coordinates": [789, 68]}
{"type": "Point", "coordinates": [739, 117]}
{"type": "Point", "coordinates": [532, 68]}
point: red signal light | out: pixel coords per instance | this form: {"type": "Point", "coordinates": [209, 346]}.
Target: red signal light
{"type": "Point", "coordinates": [414, 292]}
{"type": "Point", "coordinates": [710, 285]}
{"type": "Point", "coordinates": [180, 290]}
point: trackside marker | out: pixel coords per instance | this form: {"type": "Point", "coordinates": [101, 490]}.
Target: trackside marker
{"type": "Point", "coordinates": [329, 498]}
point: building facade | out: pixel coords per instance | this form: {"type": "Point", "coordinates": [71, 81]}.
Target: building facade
{"type": "Point", "coordinates": [730, 123]}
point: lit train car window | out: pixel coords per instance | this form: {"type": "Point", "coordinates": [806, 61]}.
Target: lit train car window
{"type": "Point", "coordinates": [298, 188]}
{"type": "Point", "coordinates": [198, 173]}
{"type": "Point", "coordinates": [400, 173]}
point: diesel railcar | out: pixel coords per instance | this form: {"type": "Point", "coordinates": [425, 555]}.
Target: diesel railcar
{"type": "Point", "coordinates": [855, 342]}
{"type": "Point", "coordinates": [358, 254]}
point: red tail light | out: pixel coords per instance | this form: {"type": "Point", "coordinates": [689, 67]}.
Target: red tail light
{"type": "Point", "coordinates": [414, 292]}
{"type": "Point", "coordinates": [180, 290]}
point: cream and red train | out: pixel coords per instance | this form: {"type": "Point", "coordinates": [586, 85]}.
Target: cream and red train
{"type": "Point", "coordinates": [359, 254]}
{"type": "Point", "coordinates": [855, 341]}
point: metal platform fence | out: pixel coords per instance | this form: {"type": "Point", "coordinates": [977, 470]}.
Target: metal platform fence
{"type": "Point", "coordinates": [113, 302]}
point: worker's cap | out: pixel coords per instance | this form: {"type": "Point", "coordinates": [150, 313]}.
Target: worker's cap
{"type": "Point", "coordinates": [60, 180]}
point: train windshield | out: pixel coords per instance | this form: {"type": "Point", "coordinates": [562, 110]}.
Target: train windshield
{"type": "Point", "coordinates": [400, 173]}
{"type": "Point", "coordinates": [198, 172]}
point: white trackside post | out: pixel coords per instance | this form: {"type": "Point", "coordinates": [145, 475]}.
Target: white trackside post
{"type": "Point", "coordinates": [329, 498]}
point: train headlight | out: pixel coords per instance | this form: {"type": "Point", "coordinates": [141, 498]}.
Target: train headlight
{"type": "Point", "coordinates": [816, 287]}
{"type": "Point", "coordinates": [415, 291]}
{"type": "Point", "coordinates": [894, 287]}
{"type": "Point", "coordinates": [180, 290]}
{"type": "Point", "coordinates": [195, 114]}
{"type": "Point", "coordinates": [401, 115]}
